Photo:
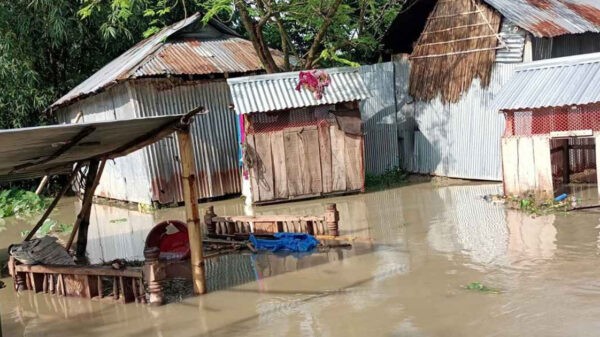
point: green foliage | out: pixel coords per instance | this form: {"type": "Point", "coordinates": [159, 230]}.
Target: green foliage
{"type": "Point", "coordinates": [532, 205]}
{"type": "Point", "coordinates": [20, 202]}
{"type": "Point", "coordinates": [353, 37]}
{"type": "Point", "coordinates": [390, 178]}
{"type": "Point", "coordinates": [44, 230]}
{"type": "Point", "coordinates": [50, 226]}
{"type": "Point", "coordinates": [46, 49]}
{"type": "Point", "coordinates": [478, 286]}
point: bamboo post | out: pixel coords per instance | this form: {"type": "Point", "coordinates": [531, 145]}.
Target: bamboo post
{"type": "Point", "coordinates": [92, 180]}
{"type": "Point", "coordinates": [190, 194]}
{"type": "Point", "coordinates": [42, 184]}
{"type": "Point", "coordinates": [332, 217]}
{"type": "Point", "coordinates": [209, 214]}
{"type": "Point", "coordinates": [54, 202]}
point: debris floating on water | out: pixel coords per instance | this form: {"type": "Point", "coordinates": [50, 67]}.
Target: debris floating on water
{"type": "Point", "coordinates": [478, 286]}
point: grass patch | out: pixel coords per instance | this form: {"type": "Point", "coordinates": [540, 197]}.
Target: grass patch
{"type": "Point", "coordinates": [390, 178]}
{"type": "Point", "coordinates": [21, 202]}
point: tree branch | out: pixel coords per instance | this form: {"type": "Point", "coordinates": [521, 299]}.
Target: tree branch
{"type": "Point", "coordinates": [312, 52]}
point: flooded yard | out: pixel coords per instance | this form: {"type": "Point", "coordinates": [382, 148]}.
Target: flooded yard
{"type": "Point", "coordinates": [427, 244]}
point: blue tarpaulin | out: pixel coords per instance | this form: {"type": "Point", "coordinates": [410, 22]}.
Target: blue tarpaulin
{"type": "Point", "coordinates": [292, 242]}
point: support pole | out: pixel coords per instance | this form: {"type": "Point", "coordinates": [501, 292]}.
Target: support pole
{"type": "Point", "coordinates": [192, 213]}
{"type": "Point", "coordinates": [566, 167]}
{"type": "Point", "coordinates": [92, 179]}
{"type": "Point", "coordinates": [54, 202]}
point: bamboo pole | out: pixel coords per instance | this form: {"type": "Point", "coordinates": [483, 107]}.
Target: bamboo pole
{"type": "Point", "coordinates": [92, 181]}
{"type": "Point", "coordinates": [54, 202]}
{"type": "Point", "coordinates": [192, 213]}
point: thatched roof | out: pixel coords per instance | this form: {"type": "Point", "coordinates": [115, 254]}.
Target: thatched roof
{"type": "Point", "coordinates": [458, 44]}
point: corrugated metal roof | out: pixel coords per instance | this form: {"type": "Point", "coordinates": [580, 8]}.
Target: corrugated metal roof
{"type": "Point", "coordinates": [547, 18]}
{"type": "Point", "coordinates": [194, 56]}
{"type": "Point", "coordinates": [33, 145]}
{"type": "Point", "coordinates": [552, 83]}
{"type": "Point", "coordinates": [188, 53]}
{"type": "Point", "coordinates": [272, 92]}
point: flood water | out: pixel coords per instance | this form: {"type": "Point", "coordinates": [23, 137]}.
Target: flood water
{"type": "Point", "coordinates": [427, 244]}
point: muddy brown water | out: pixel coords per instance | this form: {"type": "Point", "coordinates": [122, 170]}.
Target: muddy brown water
{"type": "Point", "coordinates": [428, 244]}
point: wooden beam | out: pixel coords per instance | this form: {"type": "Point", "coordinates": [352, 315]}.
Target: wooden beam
{"type": "Point", "coordinates": [192, 213]}
{"type": "Point", "coordinates": [79, 270]}
{"type": "Point", "coordinates": [81, 135]}
{"type": "Point", "coordinates": [92, 180]}
{"type": "Point", "coordinates": [54, 202]}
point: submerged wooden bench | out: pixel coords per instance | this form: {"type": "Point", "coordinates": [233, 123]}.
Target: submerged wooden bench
{"type": "Point", "coordinates": [327, 224]}
{"type": "Point", "coordinates": [80, 281]}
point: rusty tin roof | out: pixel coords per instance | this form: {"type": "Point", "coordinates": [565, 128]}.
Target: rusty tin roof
{"type": "Point", "coordinates": [184, 48]}
{"type": "Point", "coordinates": [548, 18]}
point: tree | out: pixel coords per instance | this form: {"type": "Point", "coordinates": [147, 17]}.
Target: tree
{"type": "Point", "coordinates": [310, 32]}
{"type": "Point", "coordinates": [45, 50]}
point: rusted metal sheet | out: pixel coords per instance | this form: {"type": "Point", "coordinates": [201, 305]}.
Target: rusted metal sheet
{"type": "Point", "coordinates": [548, 18]}
{"type": "Point", "coordinates": [114, 70]}
{"type": "Point", "coordinates": [194, 56]}
{"type": "Point", "coordinates": [185, 48]}
{"type": "Point", "coordinates": [214, 136]}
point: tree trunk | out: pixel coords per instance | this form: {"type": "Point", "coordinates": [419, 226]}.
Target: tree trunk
{"type": "Point", "coordinates": [257, 38]}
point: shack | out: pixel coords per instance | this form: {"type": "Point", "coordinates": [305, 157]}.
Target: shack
{"type": "Point", "coordinates": [298, 146]}
{"type": "Point", "coordinates": [83, 150]}
{"type": "Point", "coordinates": [182, 66]}
{"type": "Point", "coordinates": [552, 111]}
{"type": "Point", "coordinates": [456, 55]}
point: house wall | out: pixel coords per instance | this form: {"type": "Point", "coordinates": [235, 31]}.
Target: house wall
{"type": "Point", "coordinates": [125, 178]}
{"type": "Point", "coordinates": [527, 165]}
{"type": "Point", "coordinates": [214, 136]}
{"type": "Point", "coordinates": [378, 114]}
{"type": "Point", "coordinates": [462, 139]}
{"type": "Point", "coordinates": [152, 174]}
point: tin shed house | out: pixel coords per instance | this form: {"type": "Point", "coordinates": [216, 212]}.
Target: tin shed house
{"type": "Point", "coordinates": [456, 56]}
{"type": "Point", "coordinates": [298, 146]}
{"type": "Point", "coordinates": [552, 110]}
{"type": "Point", "coordinates": [182, 67]}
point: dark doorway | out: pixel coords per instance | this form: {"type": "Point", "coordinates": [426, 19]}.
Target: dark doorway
{"type": "Point", "coordinates": [573, 164]}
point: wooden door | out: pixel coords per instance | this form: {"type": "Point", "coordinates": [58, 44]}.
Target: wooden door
{"type": "Point", "coordinates": [304, 161]}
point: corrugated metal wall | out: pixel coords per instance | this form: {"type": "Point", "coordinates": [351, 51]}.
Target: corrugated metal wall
{"type": "Point", "coordinates": [125, 178]}
{"type": "Point", "coordinates": [154, 173]}
{"type": "Point", "coordinates": [214, 136]}
{"type": "Point", "coordinates": [459, 140]}
{"type": "Point", "coordinates": [379, 118]}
